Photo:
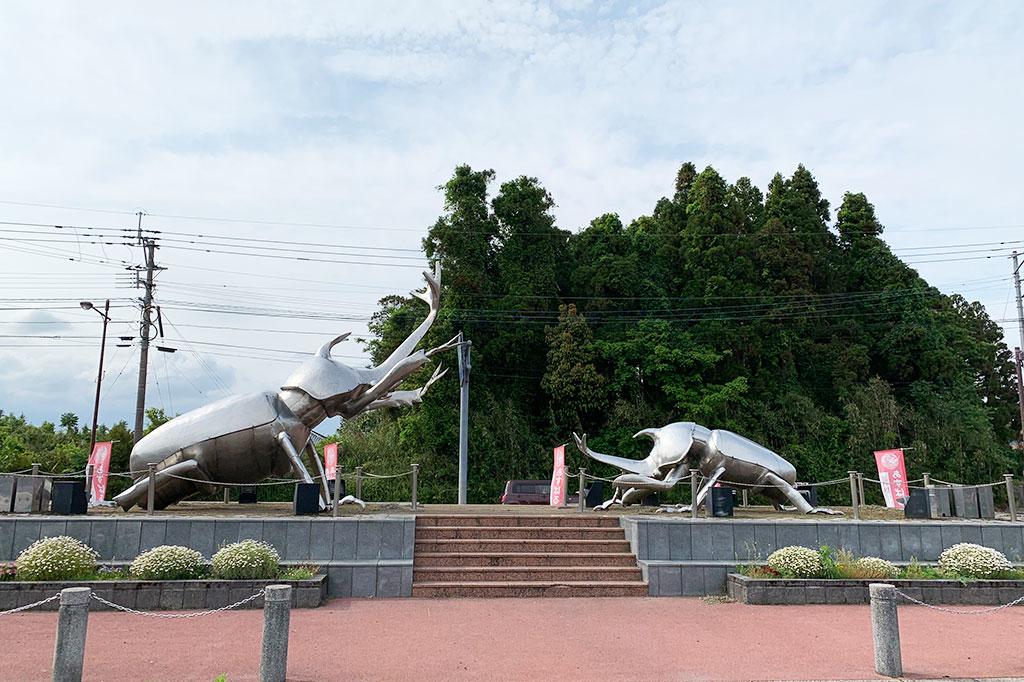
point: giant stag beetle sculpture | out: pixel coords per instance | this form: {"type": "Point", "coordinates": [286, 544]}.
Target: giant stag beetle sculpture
{"type": "Point", "coordinates": [245, 439]}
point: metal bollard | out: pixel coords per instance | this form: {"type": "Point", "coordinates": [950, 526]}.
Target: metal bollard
{"type": "Point", "coordinates": [151, 496]}
{"type": "Point", "coordinates": [227, 495]}
{"type": "Point", "coordinates": [853, 494]}
{"type": "Point", "coordinates": [277, 606]}
{"type": "Point", "coordinates": [1011, 500]}
{"type": "Point", "coordinates": [885, 630]}
{"type": "Point", "coordinates": [337, 492]}
{"type": "Point", "coordinates": [860, 488]}
{"type": "Point", "coordinates": [582, 502]}
{"type": "Point", "coordinates": [745, 500]}
{"type": "Point", "coordinates": [89, 469]}
{"type": "Point", "coordinates": [693, 492]}
{"type": "Point", "coordinates": [35, 469]}
{"type": "Point", "coordinates": [415, 484]}
{"type": "Point", "coordinates": [359, 482]}
{"type": "Point", "coordinates": [926, 478]}
{"type": "Point", "coordinates": [72, 621]}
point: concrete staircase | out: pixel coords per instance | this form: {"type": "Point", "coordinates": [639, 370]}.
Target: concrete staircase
{"type": "Point", "coordinates": [523, 556]}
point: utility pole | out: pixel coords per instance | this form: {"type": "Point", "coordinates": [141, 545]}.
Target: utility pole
{"type": "Point", "coordinates": [1018, 355]}
{"type": "Point", "coordinates": [145, 324]}
{"type": "Point", "coordinates": [464, 368]}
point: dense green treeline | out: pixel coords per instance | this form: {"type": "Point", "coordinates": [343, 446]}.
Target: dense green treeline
{"type": "Point", "coordinates": [726, 306]}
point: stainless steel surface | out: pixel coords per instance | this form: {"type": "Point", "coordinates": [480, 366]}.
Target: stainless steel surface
{"type": "Point", "coordinates": [248, 438]}
{"type": "Point", "coordinates": [715, 454]}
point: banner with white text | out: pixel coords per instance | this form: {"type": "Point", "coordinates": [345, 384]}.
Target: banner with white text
{"type": "Point", "coordinates": [893, 476]}
{"type": "Point", "coordinates": [558, 479]}
{"type": "Point", "coordinates": [331, 461]}
{"type": "Point", "coordinates": [100, 461]}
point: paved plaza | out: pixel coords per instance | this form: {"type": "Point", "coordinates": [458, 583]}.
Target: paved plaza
{"type": "Point", "coordinates": [529, 639]}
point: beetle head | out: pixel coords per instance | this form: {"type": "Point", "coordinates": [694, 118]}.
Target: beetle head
{"type": "Point", "coordinates": [323, 377]}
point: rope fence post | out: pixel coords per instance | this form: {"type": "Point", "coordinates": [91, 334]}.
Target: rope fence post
{"type": "Point", "coordinates": [151, 494]}
{"type": "Point", "coordinates": [926, 479]}
{"type": "Point", "coordinates": [227, 495]}
{"type": "Point", "coordinates": [853, 494]}
{"type": "Point", "coordinates": [35, 469]}
{"type": "Point", "coordinates": [582, 502]}
{"type": "Point", "coordinates": [415, 485]}
{"type": "Point", "coordinates": [359, 482]}
{"type": "Point", "coordinates": [1011, 500]}
{"type": "Point", "coordinates": [693, 493]}
{"type": "Point", "coordinates": [885, 630]}
{"type": "Point", "coordinates": [744, 500]}
{"type": "Point", "coordinates": [277, 605]}
{"type": "Point", "coordinates": [860, 488]}
{"type": "Point", "coordinates": [72, 622]}
{"type": "Point", "coordinates": [337, 492]}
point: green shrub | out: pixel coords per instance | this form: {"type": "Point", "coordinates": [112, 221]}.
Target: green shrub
{"type": "Point", "coordinates": [873, 568]}
{"type": "Point", "coordinates": [167, 562]}
{"type": "Point", "coordinates": [966, 560]}
{"type": "Point", "coordinates": [795, 562]}
{"type": "Point", "coordinates": [58, 558]}
{"type": "Point", "coordinates": [246, 560]}
{"type": "Point", "coordinates": [299, 573]}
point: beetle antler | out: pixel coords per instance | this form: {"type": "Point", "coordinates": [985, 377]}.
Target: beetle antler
{"type": "Point", "coordinates": [432, 297]}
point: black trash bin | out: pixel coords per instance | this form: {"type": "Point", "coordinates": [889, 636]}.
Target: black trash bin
{"type": "Point", "coordinates": [68, 498]}
{"type": "Point", "coordinates": [721, 501]}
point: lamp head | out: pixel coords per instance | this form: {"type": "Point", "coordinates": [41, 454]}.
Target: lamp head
{"type": "Point", "coordinates": [86, 305]}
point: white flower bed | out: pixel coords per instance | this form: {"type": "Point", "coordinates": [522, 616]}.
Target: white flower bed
{"type": "Point", "coordinates": [795, 562]}
{"type": "Point", "coordinates": [872, 567]}
{"type": "Point", "coordinates": [246, 560]}
{"type": "Point", "coordinates": [973, 561]}
{"type": "Point", "coordinates": [57, 558]}
{"type": "Point", "coordinates": [168, 562]}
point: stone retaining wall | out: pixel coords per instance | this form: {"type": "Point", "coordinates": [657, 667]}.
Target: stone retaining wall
{"type": "Point", "coordinates": [684, 556]}
{"type": "Point", "coordinates": [368, 556]}
{"type": "Point", "coordinates": [760, 591]}
{"type": "Point", "coordinates": [156, 595]}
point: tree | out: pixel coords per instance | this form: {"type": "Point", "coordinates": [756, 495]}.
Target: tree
{"type": "Point", "coordinates": [571, 381]}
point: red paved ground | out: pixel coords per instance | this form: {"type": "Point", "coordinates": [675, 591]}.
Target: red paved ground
{"type": "Point", "coordinates": [528, 639]}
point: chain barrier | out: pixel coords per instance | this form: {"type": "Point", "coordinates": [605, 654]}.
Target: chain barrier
{"type": "Point", "coordinates": [960, 612]}
{"type": "Point", "coordinates": [177, 616]}
{"type": "Point", "coordinates": [25, 473]}
{"type": "Point", "coordinates": [369, 475]}
{"type": "Point", "coordinates": [26, 607]}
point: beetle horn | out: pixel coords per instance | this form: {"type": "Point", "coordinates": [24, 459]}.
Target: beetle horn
{"type": "Point", "coordinates": [647, 433]}
{"type": "Point", "coordinates": [325, 350]}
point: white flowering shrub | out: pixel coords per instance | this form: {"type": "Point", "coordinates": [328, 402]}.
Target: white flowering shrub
{"type": "Point", "coordinates": [973, 561]}
{"type": "Point", "coordinates": [795, 562]}
{"type": "Point", "coordinates": [246, 560]}
{"type": "Point", "coordinates": [58, 558]}
{"type": "Point", "coordinates": [871, 567]}
{"type": "Point", "coordinates": [167, 562]}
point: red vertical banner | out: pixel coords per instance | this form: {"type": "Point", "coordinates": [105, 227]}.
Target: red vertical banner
{"type": "Point", "coordinates": [558, 479]}
{"type": "Point", "coordinates": [100, 461]}
{"type": "Point", "coordinates": [892, 473]}
{"type": "Point", "coordinates": [331, 461]}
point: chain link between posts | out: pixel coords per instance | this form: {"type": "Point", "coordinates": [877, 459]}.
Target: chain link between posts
{"type": "Point", "coordinates": [177, 616]}
{"type": "Point", "coordinates": [26, 607]}
{"type": "Point", "coordinates": [960, 612]}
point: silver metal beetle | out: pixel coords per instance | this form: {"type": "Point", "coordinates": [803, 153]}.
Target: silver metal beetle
{"type": "Point", "coordinates": [717, 454]}
{"type": "Point", "coordinates": [245, 439]}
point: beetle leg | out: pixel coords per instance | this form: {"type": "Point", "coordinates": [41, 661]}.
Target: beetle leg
{"type": "Point", "coordinates": [315, 459]}
{"type": "Point", "coordinates": [712, 479]}
{"type": "Point", "coordinates": [293, 455]}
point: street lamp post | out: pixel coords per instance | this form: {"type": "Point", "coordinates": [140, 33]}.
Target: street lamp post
{"type": "Point", "coordinates": [86, 305]}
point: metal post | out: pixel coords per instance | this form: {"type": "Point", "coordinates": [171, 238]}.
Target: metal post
{"type": "Point", "coordinates": [745, 499]}
{"type": "Point", "coordinates": [1011, 500]}
{"type": "Point", "coordinates": [359, 483]}
{"type": "Point", "coordinates": [72, 623]}
{"type": "Point", "coordinates": [853, 494]}
{"type": "Point", "coordinates": [926, 479]}
{"type": "Point", "coordinates": [337, 492]}
{"type": "Point", "coordinates": [35, 469]}
{"type": "Point", "coordinates": [99, 375]}
{"type": "Point", "coordinates": [277, 605]}
{"type": "Point", "coordinates": [582, 502]}
{"type": "Point", "coordinates": [1018, 357]}
{"type": "Point", "coordinates": [860, 488]}
{"type": "Point", "coordinates": [465, 365]}
{"type": "Point", "coordinates": [144, 326]}
{"type": "Point", "coordinates": [227, 495]}
{"type": "Point", "coordinates": [885, 630]}
{"type": "Point", "coordinates": [151, 494]}
{"type": "Point", "coordinates": [1017, 352]}
{"type": "Point", "coordinates": [693, 492]}
{"type": "Point", "coordinates": [415, 484]}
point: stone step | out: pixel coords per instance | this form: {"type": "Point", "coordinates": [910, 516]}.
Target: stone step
{"type": "Point", "coordinates": [574, 520]}
{"type": "Point", "coordinates": [520, 545]}
{"type": "Point", "coordinates": [521, 532]}
{"type": "Point", "coordinates": [426, 559]}
{"type": "Point", "coordinates": [558, 574]}
{"type": "Point", "coordinates": [626, 588]}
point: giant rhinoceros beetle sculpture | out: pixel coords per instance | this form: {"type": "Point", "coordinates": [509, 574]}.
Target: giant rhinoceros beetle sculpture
{"type": "Point", "coordinates": [245, 439]}
{"type": "Point", "coordinates": [717, 454]}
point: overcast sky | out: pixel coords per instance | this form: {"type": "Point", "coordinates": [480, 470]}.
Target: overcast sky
{"type": "Point", "coordinates": [351, 114]}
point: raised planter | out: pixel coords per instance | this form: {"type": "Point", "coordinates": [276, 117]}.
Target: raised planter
{"type": "Point", "coordinates": [821, 591]}
{"type": "Point", "coordinates": [164, 595]}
